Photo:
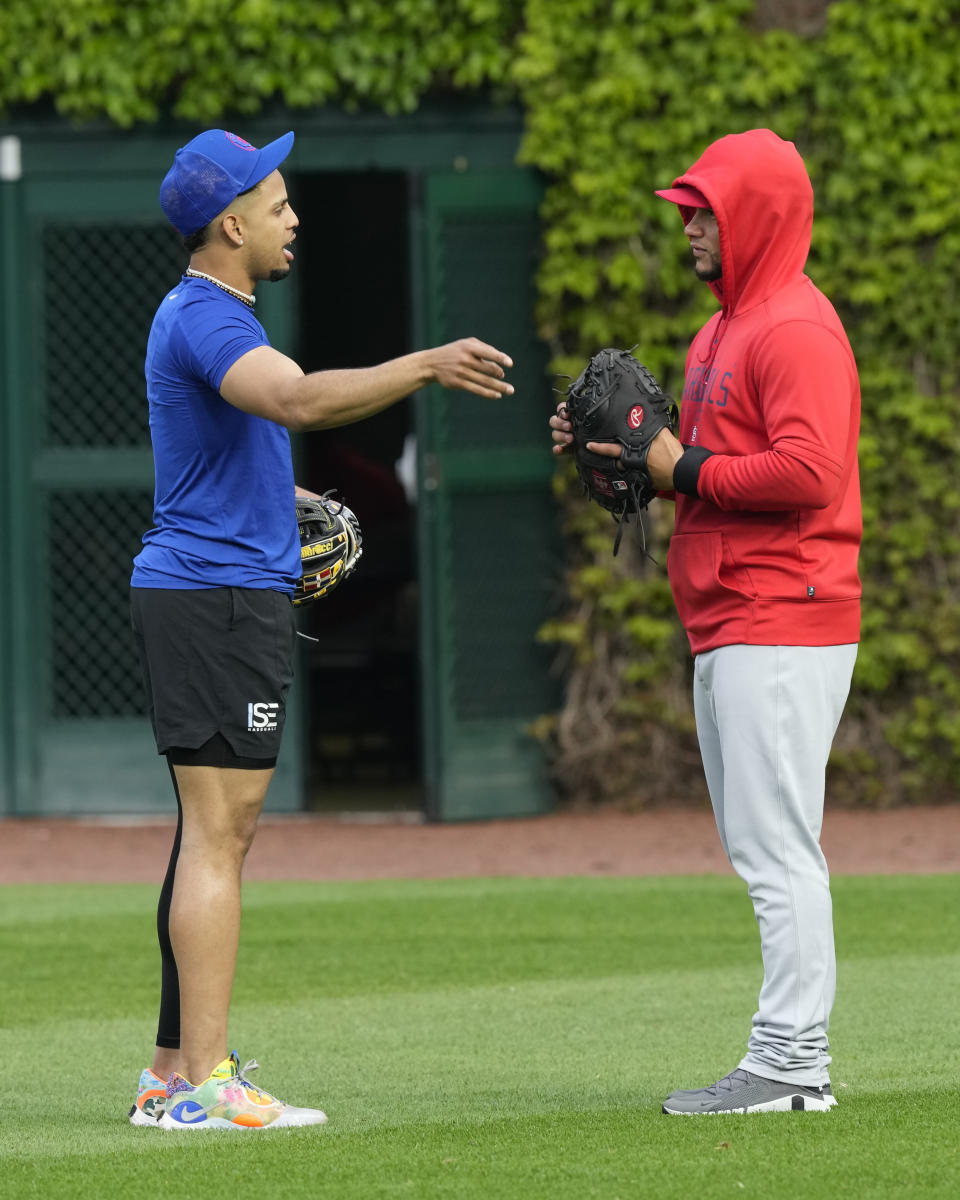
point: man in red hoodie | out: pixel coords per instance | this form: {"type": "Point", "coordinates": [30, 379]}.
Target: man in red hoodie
{"type": "Point", "coordinates": [763, 568]}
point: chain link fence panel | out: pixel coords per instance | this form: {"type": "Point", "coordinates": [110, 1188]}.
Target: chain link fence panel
{"type": "Point", "coordinates": [102, 285]}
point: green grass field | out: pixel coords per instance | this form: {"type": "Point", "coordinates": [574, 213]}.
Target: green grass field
{"type": "Point", "coordinates": [484, 1038]}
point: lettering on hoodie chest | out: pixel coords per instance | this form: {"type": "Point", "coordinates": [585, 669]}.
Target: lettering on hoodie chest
{"type": "Point", "coordinates": [709, 385]}
{"type": "Point", "coordinates": [710, 399]}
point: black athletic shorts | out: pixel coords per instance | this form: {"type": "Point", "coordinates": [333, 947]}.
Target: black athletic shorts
{"type": "Point", "coordinates": [215, 660]}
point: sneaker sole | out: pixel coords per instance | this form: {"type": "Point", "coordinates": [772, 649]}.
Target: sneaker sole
{"type": "Point", "coordinates": [282, 1122]}
{"type": "Point", "coordinates": [795, 1103]}
{"type": "Point", "coordinates": [139, 1117]}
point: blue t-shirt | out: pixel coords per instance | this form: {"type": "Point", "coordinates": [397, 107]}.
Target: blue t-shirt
{"type": "Point", "coordinates": [224, 508]}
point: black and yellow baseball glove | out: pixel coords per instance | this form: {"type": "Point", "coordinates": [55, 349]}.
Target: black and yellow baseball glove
{"type": "Point", "coordinates": [330, 546]}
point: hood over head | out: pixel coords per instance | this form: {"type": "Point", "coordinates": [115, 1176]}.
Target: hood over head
{"type": "Point", "coordinates": [758, 187]}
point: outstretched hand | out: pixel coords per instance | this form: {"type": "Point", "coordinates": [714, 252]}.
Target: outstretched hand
{"type": "Point", "coordinates": [471, 366]}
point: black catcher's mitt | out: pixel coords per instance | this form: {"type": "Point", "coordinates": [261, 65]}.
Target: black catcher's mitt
{"type": "Point", "coordinates": [616, 399]}
{"type": "Point", "coordinates": [330, 546]}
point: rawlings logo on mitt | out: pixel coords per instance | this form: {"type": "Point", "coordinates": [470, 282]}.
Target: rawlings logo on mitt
{"type": "Point", "coordinates": [330, 546]}
{"type": "Point", "coordinates": [616, 399]}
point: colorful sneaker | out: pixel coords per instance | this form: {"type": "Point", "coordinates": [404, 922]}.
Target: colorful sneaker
{"type": "Point", "coordinates": [743, 1092]}
{"type": "Point", "coordinates": [151, 1098]}
{"type": "Point", "coordinates": [227, 1100]}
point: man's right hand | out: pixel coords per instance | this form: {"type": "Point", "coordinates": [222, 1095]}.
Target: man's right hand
{"type": "Point", "coordinates": [470, 366]}
{"type": "Point", "coordinates": [562, 429]}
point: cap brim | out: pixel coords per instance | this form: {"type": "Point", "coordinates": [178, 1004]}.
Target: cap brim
{"type": "Point", "coordinates": [271, 156]}
{"type": "Point", "coordinates": [685, 196]}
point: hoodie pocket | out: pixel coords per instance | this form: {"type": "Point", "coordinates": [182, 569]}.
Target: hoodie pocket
{"type": "Point", "coordinates": [708, 588]}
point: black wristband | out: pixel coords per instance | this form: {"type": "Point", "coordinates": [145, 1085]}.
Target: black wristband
{"type": "Point", "coordinates": [686, 473]}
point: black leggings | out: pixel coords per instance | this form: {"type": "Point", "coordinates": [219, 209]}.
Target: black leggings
{"type": "Point", "coordinates": [168, 1031]}
{"type": "Point", "coordinates": [214, 753]}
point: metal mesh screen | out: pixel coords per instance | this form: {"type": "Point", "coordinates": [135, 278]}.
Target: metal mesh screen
{"type": "Point", "coordinates": [499, 258]}
{"type": "Point", "coordinates": [91, 538]}
{"type": "Point", "coordinates": [102, 284]}
{"type": "Point", "coordinates": [506, 571]}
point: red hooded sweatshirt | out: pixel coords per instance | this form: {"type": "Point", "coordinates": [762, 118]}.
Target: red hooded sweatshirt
{"type": "Point", "coordinates": [766, 538]}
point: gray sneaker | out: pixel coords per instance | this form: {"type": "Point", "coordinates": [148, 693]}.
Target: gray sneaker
{"type": "Point", "coordinates": [743, 1092]}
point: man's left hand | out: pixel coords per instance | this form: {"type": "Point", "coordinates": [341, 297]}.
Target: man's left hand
{"type": "Point", "coordinates": [662, 457]}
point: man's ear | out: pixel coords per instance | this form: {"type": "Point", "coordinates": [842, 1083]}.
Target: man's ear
{"type": "Point", "coordinates": [232, 228]}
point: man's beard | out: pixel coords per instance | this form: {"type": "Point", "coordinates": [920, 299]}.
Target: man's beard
{"type": "Point", "coordinates": [708, 274]}
{"type": "Point", "coordinates": [277, 274]}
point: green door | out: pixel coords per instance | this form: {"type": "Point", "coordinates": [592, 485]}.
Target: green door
{"type": "Point", "coordinates": [489, 564]}
{"type": "Point", "coordinates": [86, 257]}
{"type": "Point", "coordinates": [93, 258]}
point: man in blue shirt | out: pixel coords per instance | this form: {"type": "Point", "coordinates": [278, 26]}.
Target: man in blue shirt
{"type": "Point", "coordinates": [211, 589]}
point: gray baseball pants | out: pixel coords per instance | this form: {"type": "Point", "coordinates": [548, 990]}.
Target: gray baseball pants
{"type": "Point", "coordinates": [766, 717]}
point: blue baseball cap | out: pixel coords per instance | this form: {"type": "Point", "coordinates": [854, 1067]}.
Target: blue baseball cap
{"type": "Point", "coordinates": [212, 170]}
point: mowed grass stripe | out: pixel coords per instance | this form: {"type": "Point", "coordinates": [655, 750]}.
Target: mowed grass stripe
{"type": "Point", "coordinates": [524, 1074]}
{"type": "Point", "coordinates": [356, 939]}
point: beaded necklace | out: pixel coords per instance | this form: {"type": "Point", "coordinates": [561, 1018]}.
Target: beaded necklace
{"type": "Point", "coordinates": [250, 301]}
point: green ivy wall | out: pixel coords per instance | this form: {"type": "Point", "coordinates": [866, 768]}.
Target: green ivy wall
{"type": "Point", "coordinates": [620, 96]}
